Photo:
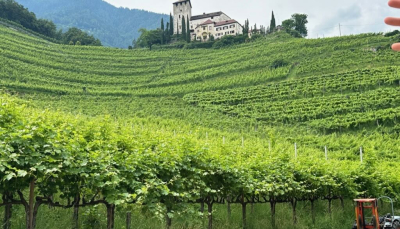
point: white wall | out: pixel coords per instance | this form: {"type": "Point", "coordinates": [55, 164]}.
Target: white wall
{"type": "Point", "coordinates": [181, 9]}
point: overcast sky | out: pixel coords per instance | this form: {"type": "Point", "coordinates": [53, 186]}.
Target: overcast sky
{"type": "Point", "coordinates": [355, 16]}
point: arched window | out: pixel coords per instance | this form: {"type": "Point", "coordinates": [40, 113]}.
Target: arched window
{"type": "Point", "coordinates": [179, 16]}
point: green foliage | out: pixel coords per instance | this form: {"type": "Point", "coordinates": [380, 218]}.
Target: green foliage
{"type": "Point", "coordinates": [11, 10]}
{"type": "Point", "coordinates": [184, 28]}
{"type": "Point", "coordinates": [199, 45]}
{"type": "Point", "coordinates": [98, 18]}
{"type": "Point", "coordinates": [279, 63]}
{"type": "Point", "coordinates": [170, 127]}
{"type": "Point", "coordinates": [246, 27]}
{"type": "Point", "coordinates": [149, 38]}
{"type": "Point", "coordinates": [163, 38]}
{"type": "Point", "coordinates": [229, 41]}
{"type": "Point", "coordinates": [296, 26]}
{"type": "Point", "coordinates": [76, 35]}
{"type": "Point", "coordinates": [393, 33]}
{"type": "Point", "coordinates": [272, 25]}
{"type": "Point", "coordinates": [188, 38]}
{"type": "Point", "coordinates": [171, 25]}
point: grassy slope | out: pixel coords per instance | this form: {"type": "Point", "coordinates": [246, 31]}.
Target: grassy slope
{"type": "Point", "coordinates": [140, 83]}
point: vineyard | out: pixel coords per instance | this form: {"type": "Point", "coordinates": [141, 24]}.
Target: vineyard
{"type": "Point", "coordinates": [172, 134]}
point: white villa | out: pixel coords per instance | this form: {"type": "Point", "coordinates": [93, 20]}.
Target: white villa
{"type": "Point", "coordinates": [203, 26]}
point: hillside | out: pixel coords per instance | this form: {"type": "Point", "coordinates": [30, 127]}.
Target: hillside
{"type": "Point", "coordinates": [115, 27]}
{"type": "Point", "coordinates": [273, 121]}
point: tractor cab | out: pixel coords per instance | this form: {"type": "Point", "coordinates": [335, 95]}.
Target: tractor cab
{"type": "Point", "coordinates": [367, 216]}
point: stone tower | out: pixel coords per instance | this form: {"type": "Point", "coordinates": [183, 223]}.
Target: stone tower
{"type": "Point", "coordinates": [182, 8]}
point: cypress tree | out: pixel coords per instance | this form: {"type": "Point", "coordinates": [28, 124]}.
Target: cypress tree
{"type": "Point", "coordinates": [167, 33]}
{"type": "Point", "coordinates": [177, 30]}
{"type": "Point", "coordinates": [184, 29]}
{"type": "Point", "coordinates": [188, 30]}
{"type": "Point", "coordinates": [171, 25]}
{"type": "Point", "coordinates": [273, 23]}
{"type": "Point", "coordinates": [162, 31]}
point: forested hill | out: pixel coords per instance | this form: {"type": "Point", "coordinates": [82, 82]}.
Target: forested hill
{"type": "Point", "coordinates": [115, 27]}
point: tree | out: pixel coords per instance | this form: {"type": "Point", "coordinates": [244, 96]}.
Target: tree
{"type": "Point", "coordinates": [162, 31]}
{"type": "Point", "coordinates": [75, 34]}
{"type": "Point", "coordinates": [183, 29]}
{"type": "Point", "coordinates": [188, 30]}
{"type": "Point", "coordinates": [300, 22]}
{"type": "Point", "coordinates": [171, 25]}
{"type": "Point", "coordinates": [177, 30]}
{"type": "Point", "coordinates": [167, 33]}
{"type": "Point", "coordinates": [272, 25]}
{"type": "Point", "coordinates": [246, 27]}
{"type": "Point", "coordinates": [296, 26]}
{"type": "Point", "coordinates": [148, 38]}
{"type": "Point", "coordinates": [288, 24]}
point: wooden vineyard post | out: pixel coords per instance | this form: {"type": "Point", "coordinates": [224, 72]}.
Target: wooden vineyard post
{"type": "Point", "coordinates": [272, 203]}
{"type": "Point", "coordinates": [128, 220]}
{"type": "Point", "coordinates": [7, 212]}
{"type": "Point", "coordinates": [168, 219]}
{"type": "Point", "coordinates": [228, 200]}
{"type": "Point", "coordinates": [242, 141]}
{"type": "Point", "coordinates": [76, 212]}
{"type": "Point", "coordinates": [295, 150]}
{"type": "Point", "coordinates": [210, 216]}
{"type": "Point", "coordinates": [223, 140]}
{"type": "Point", "coordinates": [244, 213]}
{"type": "Point", "coordinates": [110, 216]}
{"type": "Point", "coordinates": [313, 210]}
{"type": "Point", "coordinates": [294, 205]}
{"type": "Point", "coordinates": [361, 154]}
{"type": "Point", "coordinates": [31, 203]}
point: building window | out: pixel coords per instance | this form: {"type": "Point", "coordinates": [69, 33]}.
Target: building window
{"type": "Point", "coordinates": [204, 28]}
{"type": "Point", "coordinates": [212, 17]}
{"type": "Point", "coordinates": [179, 16]}
{"type": "Point", "coordinates": [232, 32]}
{"type": "Point", "coordinates": [210, 28]}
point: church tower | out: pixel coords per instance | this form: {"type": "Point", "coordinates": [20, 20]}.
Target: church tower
{"type": "Point", "coordinates": [182, 8]}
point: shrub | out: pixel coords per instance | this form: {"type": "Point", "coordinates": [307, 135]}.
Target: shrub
{"type": "Point", "coordinates": [278, 63]}
{"type": "Point", "coordinates": [393, 33]}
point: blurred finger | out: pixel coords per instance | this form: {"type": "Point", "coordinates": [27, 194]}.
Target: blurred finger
{"type": "Point", "coordinates": [392, 21]}
{"type": "Point", "coordinates": [394, 3]}
{"type": "Point", "coordinates": [396, 47]}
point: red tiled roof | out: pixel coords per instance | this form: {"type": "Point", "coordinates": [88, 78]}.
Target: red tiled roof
{"type": "Point", "coordinates": [225, 22]}
{"type": "Point", "coordinates": [207, 22]}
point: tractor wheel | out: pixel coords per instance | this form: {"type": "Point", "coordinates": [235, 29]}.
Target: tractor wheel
{"type": "Point", "coordinates": [396, 225]}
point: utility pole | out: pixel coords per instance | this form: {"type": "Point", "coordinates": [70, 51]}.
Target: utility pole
{"type": "Point", "coordinates": [340, 30]}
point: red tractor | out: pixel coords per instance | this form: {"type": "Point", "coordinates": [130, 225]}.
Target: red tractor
{"type": "Point", "coordinates": [367, 216]}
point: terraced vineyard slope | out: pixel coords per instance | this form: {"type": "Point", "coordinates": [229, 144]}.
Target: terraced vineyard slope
{"type": "Point", "coordinates": [279, 120]}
